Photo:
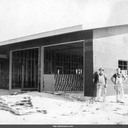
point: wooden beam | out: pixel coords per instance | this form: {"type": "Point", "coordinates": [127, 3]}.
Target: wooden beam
{"type": "Point", "coordinates": [10, 70]}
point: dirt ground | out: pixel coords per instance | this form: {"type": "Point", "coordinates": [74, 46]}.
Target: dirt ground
{"type": "Point", "coordinates": [69, 108]}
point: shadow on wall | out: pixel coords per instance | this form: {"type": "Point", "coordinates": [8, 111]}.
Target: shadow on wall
{"type": "Point", "coordinates": [119, 13]}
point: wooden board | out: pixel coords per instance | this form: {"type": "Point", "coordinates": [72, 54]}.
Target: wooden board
{"type": "Point", "coordinates": [19, 105]}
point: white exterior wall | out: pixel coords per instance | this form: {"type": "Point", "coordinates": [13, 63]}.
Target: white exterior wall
{"type": "Point", "coordinates": [110, 45]}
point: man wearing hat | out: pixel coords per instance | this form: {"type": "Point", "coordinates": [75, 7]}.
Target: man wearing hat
{"type": "Point", "coordinates": [118, 79]}
{"type": "Point", "coordinates": [100, 81]}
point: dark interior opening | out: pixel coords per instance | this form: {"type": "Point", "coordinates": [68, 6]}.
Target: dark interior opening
{"type": "Point", "coordinates": [65, 62]}
{"type": "Point", "coordinates": [25, 69]}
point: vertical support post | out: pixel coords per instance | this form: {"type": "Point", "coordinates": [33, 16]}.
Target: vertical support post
{"type": "Point", "coordinates": [10, 70]}
{"type": "Point", "coordinates": [39, 68]}
{"type": "Point", "coordinates": [31, 68]}
{"type": "Point", "coordinates": [22, 85]}
{"type": "Point", "coordinates": [42, 69]}
{"type": "Point", "coordinates": [84, 67]}
{"type": "Point", "coordinates": [34, 68]}
{"type": "Point", "coordinates": [22, 70]}
{"type": "Point", "coordinates": [88, 69]}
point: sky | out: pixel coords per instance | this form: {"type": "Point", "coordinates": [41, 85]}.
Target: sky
{"type": "Point", "coordinates": [19, 18]}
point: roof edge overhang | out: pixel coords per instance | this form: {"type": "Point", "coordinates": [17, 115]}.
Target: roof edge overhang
{"type": "Point", "coordinates": [59, 32]}
{"type": "Point", "coordinates": [43, 34]}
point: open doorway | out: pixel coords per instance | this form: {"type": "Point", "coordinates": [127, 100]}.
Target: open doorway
{"type": "Point", "coordinates": [63, 67]}
{"type": "Point", "coordinates": [25, 69]}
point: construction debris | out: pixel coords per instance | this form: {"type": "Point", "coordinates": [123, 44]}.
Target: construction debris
{"type": "Point", "coordinates": [55, 92]}
{"type": "Point", "coordinates": [19, 104]}
{"type": "Point", "coordinates": [59, 92]}
{"type": "Point", "coordinates": [18, 92]}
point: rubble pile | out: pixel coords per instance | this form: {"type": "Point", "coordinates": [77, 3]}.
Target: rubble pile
{"type": "Point", "coordinates": [19, 104]}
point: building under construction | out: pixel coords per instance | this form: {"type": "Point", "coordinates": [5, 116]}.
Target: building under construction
{"type": "Point", "coordinates": [63, 62]}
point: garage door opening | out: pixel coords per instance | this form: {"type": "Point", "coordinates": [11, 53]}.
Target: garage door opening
{"type": "Point", "coordinates": [63, 67]}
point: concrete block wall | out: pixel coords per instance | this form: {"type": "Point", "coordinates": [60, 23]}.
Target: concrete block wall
{"type": "Point", "coordinates": [109, 46]}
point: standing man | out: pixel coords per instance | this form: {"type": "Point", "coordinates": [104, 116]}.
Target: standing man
{"type": "Point", "coordinates": [100, 81]}
{"type": "Point", "coordinates": [118, 78]}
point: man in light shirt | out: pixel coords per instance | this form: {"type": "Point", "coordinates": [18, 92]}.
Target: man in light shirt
{"type": "Point", "coordinates": [118, 79]}
{"type": "Point", "coordinates": [100, 81]}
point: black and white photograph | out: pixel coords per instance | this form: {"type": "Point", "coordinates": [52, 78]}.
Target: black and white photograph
{"type": "Point", "coordinates": [64, 63]}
